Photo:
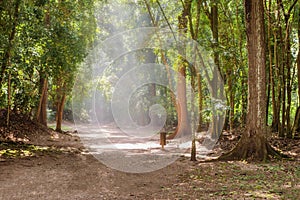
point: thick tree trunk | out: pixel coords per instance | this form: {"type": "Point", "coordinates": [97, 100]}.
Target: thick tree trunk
{"type": "Point", "coordinates": [59, 113]}
{"type": "Point", "coordinates": [253, 144]}
{"type": "Point", "coordinates": [60, 102]}
{"type": "Point", "coordinates": [183, 127]}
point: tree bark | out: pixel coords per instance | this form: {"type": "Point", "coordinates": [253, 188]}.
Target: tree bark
{"type": "Point", "coordinates": [286, 74]}
{"type": "Point", "coordinates": [59, 113]}
{"type": "Point", "coordinates": [296, 126]}
{"type": "Point", "coordinates": [253, 144]}
{"type": "Point", "coordinates": [200, 102]}
{"type": "Point", "coordinates": [276, 115]}
{"type": "Point", "coordinates": [42, 107]}
{"type": "Point", "coordinates": [8, 100]}
{"type": "Point", "coordinates": [212, 14]}
{"type": "Point", "coordinates": [288, 83]}
{"type": "Point", "coordinates": [271, 74]}
{"type": "Point", "coordinates": [183, 127]}
{"type": "Point", "coordinates": [195, 75]}
{"type": "Point", "coordinates": [60, 97]}
{"type": "Point", "coordinates": [43, 87]}
{"type": "Point", "coordinates": [282, 74]}
{"type": "Point", "coordinates": [214, 25]}
{"type": "Point", "coordinates": [298, 58]}
{"type": "Point", "coordinates": [244, 104]}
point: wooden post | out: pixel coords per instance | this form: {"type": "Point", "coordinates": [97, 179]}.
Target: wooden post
{"type": "Point", "coordinates": [163, 139]}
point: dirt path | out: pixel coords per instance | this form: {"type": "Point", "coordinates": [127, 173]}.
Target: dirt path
{"type": "Point", "coordinates": [77, 176]}
{"type": "Point", "coordinates": [71, 173]}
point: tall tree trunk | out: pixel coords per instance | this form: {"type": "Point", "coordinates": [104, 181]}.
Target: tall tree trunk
{"type": "Point", "coordinates": [231, 102]}
{"type": "Point", "coordinates": [244, 104]}
{"type": "Point", "coordinates": [271, 75]}
{"type": "Point", "coordinates": [283, 89]}
{"type": "Point", "coordinates": [215, 32]}
{"type": "Point", "coordinates": [276, 118]}
{"type": "Point", "coordinates": [8, 100]}
{"type": "Point", "coordinates": [42, 107]}
{"type": "Point", "coordinates": [195, 76]}
{"type": "Point", "coordinates": [43, 87]}
{"type": "Point", "coordinates": [286, 76]}
{"type": "Point", "coordinates": [200, 102]}
{"type": "Point", "coordinates": [253, 143]}
{"type": "Point", "coordinates": [296, 126]}
{"type": "Point", "coordinates": [60, 102]}
{"type": "Point", "coordinates": [183, 127]}
{"type": "Point", "coordinates": [243, 80]}
{"type": "Point", "coordinates": [278, 61]}
{"type": "Point", "coordinates": [287, 50]}
{"type": "Point", "coordinates": [213, 17]}
{"type": "Point", "coordinates": [59, 112]}
{"type": "Point", "coordinates": [288, 82]}
{"type": "Point", "coordinates": [298, 57]}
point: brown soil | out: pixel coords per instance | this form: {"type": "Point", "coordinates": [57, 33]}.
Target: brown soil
{"type": "Point", "coordinates": [65, 171]}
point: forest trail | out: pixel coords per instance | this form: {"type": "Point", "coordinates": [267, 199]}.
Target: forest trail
{"type": "Point", "coordinates": [72, 173]}
{"type": "Point", "coordinates": [77, 176]}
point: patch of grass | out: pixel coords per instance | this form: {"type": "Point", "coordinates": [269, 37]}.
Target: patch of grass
{"type": "Point", "coordinates": [18, 150]}
{"type": "Point", "coordinates": [63, 127]}
{"type": "Point", "coordinates": [236, 180]}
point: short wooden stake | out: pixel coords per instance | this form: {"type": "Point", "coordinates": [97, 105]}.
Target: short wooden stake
{"type": "Point", "coordinates": [163, 139]}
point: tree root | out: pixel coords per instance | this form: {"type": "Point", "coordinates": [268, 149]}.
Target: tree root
{"type": "Point", "coordinates": [255, 148]}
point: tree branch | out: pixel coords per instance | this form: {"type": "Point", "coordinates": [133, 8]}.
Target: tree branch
{"type": "Point", "coordinates": [150, 14]}
{"type": "Point", "coordinates": [166, 19]}
{"type": "Point", "coordinates": [292, 6]}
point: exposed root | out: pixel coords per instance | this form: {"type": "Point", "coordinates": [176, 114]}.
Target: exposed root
{"type": "Point", "coordinates": [255, 148]}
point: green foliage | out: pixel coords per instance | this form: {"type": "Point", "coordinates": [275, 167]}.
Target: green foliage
{"type": "Point", "coordinates": [51, 40]}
